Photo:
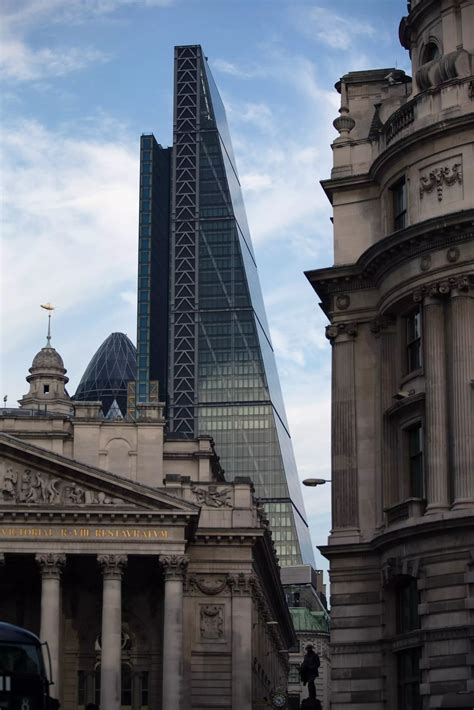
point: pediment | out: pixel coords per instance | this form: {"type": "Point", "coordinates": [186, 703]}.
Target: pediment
{"type": "Point", "coordinates": [33, 478]}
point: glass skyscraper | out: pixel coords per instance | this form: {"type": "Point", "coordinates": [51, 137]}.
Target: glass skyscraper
{"type": "Point", "coordinates": [202, 329]}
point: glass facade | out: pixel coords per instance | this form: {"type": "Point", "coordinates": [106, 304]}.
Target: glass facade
{"type": "Point", "coordinates": [106, 376]}
{"type": "Point", "coordinates": [222, 378]}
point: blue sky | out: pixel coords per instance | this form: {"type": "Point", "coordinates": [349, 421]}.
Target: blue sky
{"type": "Point", "coordinates": [82, 79]}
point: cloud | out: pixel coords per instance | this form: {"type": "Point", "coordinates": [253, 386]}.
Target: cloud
{"type": "Point", "coordinates": [19, 62]}
{"type": "Point", "coordinates": [226, 67]}
{"type": "Point", "coordinates": [333, 30]}
{"type": "Point", "coordinates": [69, 222]}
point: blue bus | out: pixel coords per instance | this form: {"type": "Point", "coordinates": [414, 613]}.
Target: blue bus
{"type": "Point", "coordinates": [24, 684]}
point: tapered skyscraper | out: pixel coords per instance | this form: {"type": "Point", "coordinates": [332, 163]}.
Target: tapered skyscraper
{"type": "Point", "coordinates": [202, 329]}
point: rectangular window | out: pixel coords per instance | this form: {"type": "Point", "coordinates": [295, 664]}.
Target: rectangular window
{"type": "Point", "coordinates": [415, 460]}
{"type": "Point", "coordinates": [408, 679]}
{"type": "Point", "coordinates": [413, 340]}
{"type": "Point", "coordinates": [81, 688]}
{"type": "Point", "coordinates": [399, 197]}
{"type": "Point", "coordinates": [45, 389]}
{"type": "Point", "coordinates": [407, 599]}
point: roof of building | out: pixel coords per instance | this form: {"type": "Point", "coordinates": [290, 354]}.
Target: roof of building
{"type": "Point", "coordinates": [47, 357]}
{"type": "Point", "coordinates": [106, 376]}
{"type": "Point", "coordinates": [306, 620]}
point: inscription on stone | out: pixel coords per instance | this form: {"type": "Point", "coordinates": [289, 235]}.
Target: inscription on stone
{"type": "Point", "coordinates": [152, 534]}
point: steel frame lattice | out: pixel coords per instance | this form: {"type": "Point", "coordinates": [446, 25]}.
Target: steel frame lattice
{"type": "Point", "coordinates": [184, 242]}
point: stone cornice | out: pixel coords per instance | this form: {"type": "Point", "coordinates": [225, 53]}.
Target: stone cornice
{"type": "Point", "coordinates": [388, 253]}
{"type": "Point", "coordinates": [391, 152]}
{"type": "Point", "coordinates": [397, 534]}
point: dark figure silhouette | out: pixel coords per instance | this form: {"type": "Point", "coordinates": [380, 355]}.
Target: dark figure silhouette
{"type": "Point", "coordinates": [309, 670]}
{"type": "Point", "coordinates": [311, 704]}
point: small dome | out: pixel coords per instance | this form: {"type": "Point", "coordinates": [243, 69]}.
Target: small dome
{"type": "Point", "coordinates": [47, 358]}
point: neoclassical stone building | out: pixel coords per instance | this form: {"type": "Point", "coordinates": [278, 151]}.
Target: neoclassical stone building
{"type": "Point", "coordinates": [400, 300]}
{"type": "Point", "coordinates": [153, 580]}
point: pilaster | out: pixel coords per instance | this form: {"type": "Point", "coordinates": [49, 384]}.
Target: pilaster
{"type": "Point", "coordinates": [345, 509]}
{"type": "Point", "coordinates": [436, 417]}
{"type": "Point", "coordinates": [462, 372]}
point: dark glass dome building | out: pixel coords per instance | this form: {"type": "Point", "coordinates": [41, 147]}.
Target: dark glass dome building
{"type": "Point", "coordinates": [107, 374]}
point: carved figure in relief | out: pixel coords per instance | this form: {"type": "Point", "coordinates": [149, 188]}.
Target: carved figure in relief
{"type": "Point", "coordinates": [76, 495]}
{"type": "Point", "coordinates": [9, 484]}
{"type": "Point", "coordinates": [213, 497]}
{"type": "Point", "coordinates": [212, 621]}
{"type": "Point", "coordinates": [49, 489]}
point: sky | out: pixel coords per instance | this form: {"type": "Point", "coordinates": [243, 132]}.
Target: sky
{"type": "Point", "coordinates": [82, 79]}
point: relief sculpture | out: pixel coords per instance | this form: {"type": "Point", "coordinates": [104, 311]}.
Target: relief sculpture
{"type": "Point", "coordinates": [213, 496]}
{"type": "Point", "coordinates": [37, 487]}
{"type": "Point", "coordinates": [212, 621]}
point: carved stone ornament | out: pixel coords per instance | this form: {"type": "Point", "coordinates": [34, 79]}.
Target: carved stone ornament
{"type": "Point", "coordinates": [207, 585]}
{"type": "Point", "coordinates": [51, 564]}
{"type": "Point", "coordinates": [442, 288]}
{"type": "Point", "coordinates": [112, 565]}
{"type": "Point", "coordinates": [438, 177]}
{"type": "Point", "coordinates": [344, 123]}
{"type": "Point", "coordinates": [425, 262]}
{"type": "Point", "coordinates": [174, 566]}
{"type": "Point", "coordinates": [381, 323]}
{"type": "Point", "coordinates": [29, 487]}
{"type": "Point", "coordinates": [213, 496]}
{"type": "Point", "coordinates": [343, 302]}
{"type": "Point", "coordinates": [452, 255]}
{"type": "Point", "coordinates": [212, 621]}
{"type": "Point", "coordinates": [333, 331]}
{"type": "Point", "coordinates": [242, 584]}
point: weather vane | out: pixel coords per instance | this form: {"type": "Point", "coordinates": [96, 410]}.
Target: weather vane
{"type": "Point", "coordinates": [48, 307]}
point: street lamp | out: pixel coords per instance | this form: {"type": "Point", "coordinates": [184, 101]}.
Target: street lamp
{"type": "Point", "coordinates": [312, 482]}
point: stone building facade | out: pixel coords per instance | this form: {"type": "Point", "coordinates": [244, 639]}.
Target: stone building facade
{"type": "Point", "coordinates": [400, 300]}
{"type": "Point", "coordinates": [153, 580]}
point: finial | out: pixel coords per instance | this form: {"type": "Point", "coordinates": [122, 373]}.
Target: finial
{"type": "Point", "coordinates": [48, 307]}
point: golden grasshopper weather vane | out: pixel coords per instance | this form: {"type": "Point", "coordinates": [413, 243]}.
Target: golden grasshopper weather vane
{"type": "Point", "coordinates": [48, 307]}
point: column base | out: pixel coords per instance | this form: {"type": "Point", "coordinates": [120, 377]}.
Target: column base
{"type": "Point", "coordinates": [463, 504]}
{"type": "Point", "coordinates": [436, 508]}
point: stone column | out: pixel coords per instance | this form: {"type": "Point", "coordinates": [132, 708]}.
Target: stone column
{"type": "Point", "coordinates": [174, 568]}
{"type": "Point", "coordinates": [345, 504]}
{"type": "Point", "coordinates": [111, 638]}
{"type": "Point", "coordinates": [436, 407]}
{"type": "Point", "coordinates": [384, 328]}
{"type": "Point", "coordinates": [51, 566]}
{"type": "Point", "coordinates": [242, 642]}
{"type": "Point", "coordinates": [462, 373]}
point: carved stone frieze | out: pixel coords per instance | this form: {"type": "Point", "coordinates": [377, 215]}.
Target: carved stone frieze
{"type": "Point", "coordinates": [442, 288]}
{"type": "Point", "coordinates": [174, 566]}
{"type": "Point", "coordinates": [51, 564]}
{"type": "Point", "coordinates": [205, 584]}
{"type": "Point", "coordinates": [438, 177]}
{"type": "Point", "coordinates": [334, 331]}
{"type": "Point", "coordinates": [112, 566]}
{"type": "Point", "coordinates": [30, 487]}
{"type": "Point", "coordinates": [213, 496]}
{"type": "Point", "coordinates": [211, 621]}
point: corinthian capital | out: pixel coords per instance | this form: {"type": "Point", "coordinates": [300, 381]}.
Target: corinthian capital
{"type": "Point", "coordinates": [334, 331]}
{"type": "Point", "coordinates": [174, 566]}
{"type": "Point", "coordinates": [51, 564]}
{"type": "Point", "coordinates": [112, 565]}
